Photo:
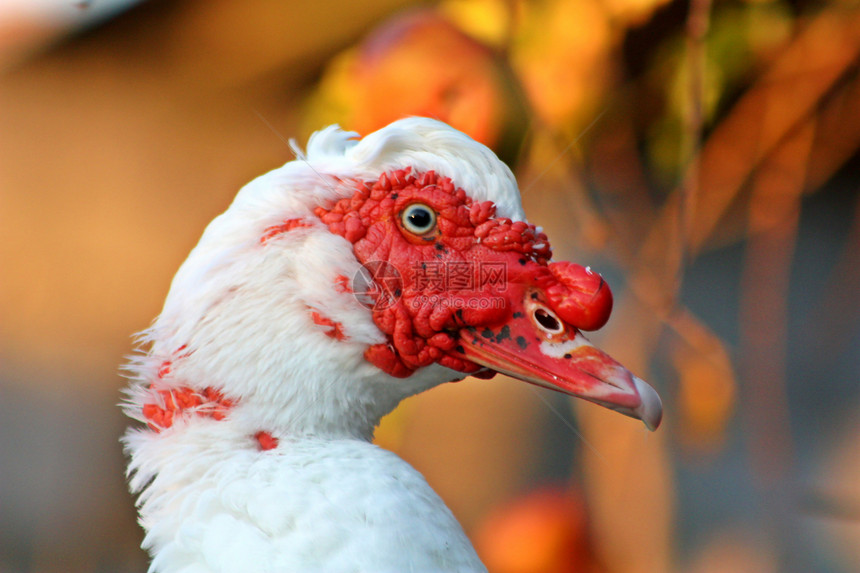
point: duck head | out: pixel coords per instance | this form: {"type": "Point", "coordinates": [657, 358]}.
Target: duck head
{"type": "Point", "coordinates": [366, 271]}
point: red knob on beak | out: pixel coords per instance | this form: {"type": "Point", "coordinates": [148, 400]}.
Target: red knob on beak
{"type": "Point", "coordinates": [578, 295]}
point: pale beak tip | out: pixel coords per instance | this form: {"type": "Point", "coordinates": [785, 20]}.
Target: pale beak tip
{"type": "Point", "coordinates": [650, 411]}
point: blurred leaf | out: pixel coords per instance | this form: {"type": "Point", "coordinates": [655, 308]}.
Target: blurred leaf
{"type": "Point", "coordinates": [487, 20]}
{"type": "Point", "coordinates": [633, 12]}
{"type": "Point", "coordinates": [706, 394]}
{"type": "Point", "coordinates": [419, 63]}
{"type": "Point", "coordinates": [561, 51]}
{"type": "Point", "coordinates": [740, 37]}
{"type": "Point", "coordinates": [545, 531]}
{"type": "Point", "coordinates": [743, 36]}
{"type": "Point", "coordinates": [787, 92]}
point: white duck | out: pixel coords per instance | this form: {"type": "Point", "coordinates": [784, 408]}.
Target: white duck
{"type": "Point", "coordinates": [364, 272]}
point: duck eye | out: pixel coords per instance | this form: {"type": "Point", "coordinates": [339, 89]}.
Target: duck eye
{"type": "Point", "coordinates": [418, 218]}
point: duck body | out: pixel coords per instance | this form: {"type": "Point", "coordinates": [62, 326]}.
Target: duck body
{"type": "Point", "coordinates": [307, 312]}
{"type": "Point", "coordinates": [312, 504]}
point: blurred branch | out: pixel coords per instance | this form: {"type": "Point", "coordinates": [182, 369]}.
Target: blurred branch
{"type": "Point", "coordinates": [773, 220]}
{"type": "Point", "coordinates": [838, 134]}
{"type": "Point", "coordinates": [661, 260]}
{"type": "Point", "coordinates": [769, 130]}
{"type": "Point", "coordinates": [698, 22]}
{"type": "Point", "coordinates": [792, 89]}
{"type": "Point", "coordinates": [706, 383]}
{"type": "Point", "coordinates": [786, 94]}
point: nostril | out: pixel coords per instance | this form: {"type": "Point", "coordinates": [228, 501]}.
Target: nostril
{"type": "Point", "coordinates": [547, 320]}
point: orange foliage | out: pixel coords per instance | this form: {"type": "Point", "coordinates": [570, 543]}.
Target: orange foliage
{"type": "Point", "coordinates": [545, 531]}
{"type": "Point", "coordinates": [417, 64]}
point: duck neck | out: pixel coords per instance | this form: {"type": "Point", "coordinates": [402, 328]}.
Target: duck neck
{"type": "Point", "coordinates": [327, 403]}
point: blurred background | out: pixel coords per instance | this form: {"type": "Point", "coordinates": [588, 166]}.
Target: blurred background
{"type": "Point", "coordinates": [704, 155]}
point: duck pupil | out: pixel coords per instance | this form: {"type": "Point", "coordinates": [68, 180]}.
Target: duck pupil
{"type": "Point", "coordinates": [420, 218]}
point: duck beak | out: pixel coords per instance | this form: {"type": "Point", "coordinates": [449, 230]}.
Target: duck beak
{"type": "Point", "coordinates": [536, 346]}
